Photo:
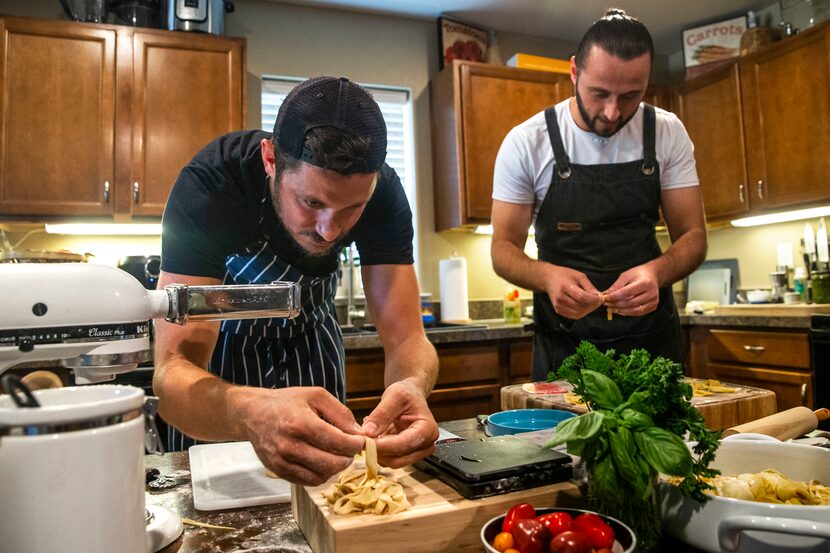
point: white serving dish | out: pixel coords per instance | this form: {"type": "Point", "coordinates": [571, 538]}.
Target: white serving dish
{"type": "Point", "coordinates": [726, 524]}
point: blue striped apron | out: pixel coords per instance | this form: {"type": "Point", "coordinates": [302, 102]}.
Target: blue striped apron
{"type": "Point", "coordinates": [278, 353]}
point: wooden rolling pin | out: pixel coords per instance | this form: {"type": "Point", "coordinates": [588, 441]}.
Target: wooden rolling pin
{"type": "Point", "coordinates": [786, 425]}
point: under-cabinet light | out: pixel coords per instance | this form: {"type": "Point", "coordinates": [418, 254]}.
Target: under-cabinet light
{"type": "Point", "coordinates": [488, 229]}
{"type": "Point", "coordinates": [782, 217]}
{"type": "Point", "coordinates": [105, 229]}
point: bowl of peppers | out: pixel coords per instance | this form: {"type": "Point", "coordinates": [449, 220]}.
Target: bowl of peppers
{"type": "Point", "coordinates": [525, 529]}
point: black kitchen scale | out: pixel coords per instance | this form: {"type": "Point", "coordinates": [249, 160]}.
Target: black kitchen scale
{"type": "Point", "coordinates": [491, 466]}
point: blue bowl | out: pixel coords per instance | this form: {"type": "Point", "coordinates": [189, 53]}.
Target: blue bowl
{"type": "Point", "coordinates": [525, 420]}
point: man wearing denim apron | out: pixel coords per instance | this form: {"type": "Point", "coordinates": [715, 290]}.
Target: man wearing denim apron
{"type": "Point", "coordinates": [592, 174]}
{"type": "Point", "coordinates": [255, 207]}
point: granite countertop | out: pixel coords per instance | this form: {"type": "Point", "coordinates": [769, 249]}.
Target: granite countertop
{"type": "Point", "coordinates": [488, 329]}
{"type": "Point", "coordinates": [495, 329]}
{"type": "Point", "coordinates": [756, 321]}
{"type": "Point", "coordinates": [269, 528]}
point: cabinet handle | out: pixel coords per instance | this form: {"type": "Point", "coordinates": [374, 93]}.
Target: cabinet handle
{"type": "Point", "coordinates": [755, 349]}
{"type": "Point", "coordinates": [760, 190]}
{"type": "Point", "coordinates": [804, 394]}
{"type": "Point", "coordinates": [106, 191]}
{"type": "Point", "coordinates": [135, 192]}
{"type": "Point", "coordinates": [741, 193]}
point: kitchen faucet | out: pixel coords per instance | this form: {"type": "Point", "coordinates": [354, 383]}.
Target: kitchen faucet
{"type": "Point", "coordinates": [352, 312]}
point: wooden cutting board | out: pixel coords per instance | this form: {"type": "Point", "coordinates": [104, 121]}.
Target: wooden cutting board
{"type": "Point", "coordinates": [721, 410]}
{"type": "Point", "coordinates": [440, 518]}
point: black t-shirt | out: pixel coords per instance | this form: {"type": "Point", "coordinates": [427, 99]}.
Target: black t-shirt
{"type": "Point", "coordinates": [216, 204]}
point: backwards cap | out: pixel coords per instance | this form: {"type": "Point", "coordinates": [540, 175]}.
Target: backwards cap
{"type": "Point", "coordinates": [331, 102]}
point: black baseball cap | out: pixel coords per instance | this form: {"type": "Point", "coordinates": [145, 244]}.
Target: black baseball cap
{"type": "Point", "coordinates": [331, 102]}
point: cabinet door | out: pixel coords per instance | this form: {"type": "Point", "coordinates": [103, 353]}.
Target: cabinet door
{"type": "Point", "coordinates": [786, 96]}
{"type": "Point", "coordinates": [659, 96]}
{"type": "Point", "coordinates": [710, 108]}
{"type": "Point", "coordinates": [792, 388]}
{"type": "Point", "coordinates": [187, 90]}
{"type": "Point", "coordinates": [493, 101]}
{"type": "Point", "coordinates": [58, 118]}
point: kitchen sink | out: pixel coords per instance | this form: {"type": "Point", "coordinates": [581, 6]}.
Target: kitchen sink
{"type": "Point", "coordinates": [350, 330]}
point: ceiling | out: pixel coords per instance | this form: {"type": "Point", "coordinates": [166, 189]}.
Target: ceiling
{"type": "Point", "coordinates": [562, 19]}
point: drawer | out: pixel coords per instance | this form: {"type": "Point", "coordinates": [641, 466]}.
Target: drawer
{"type": "Point", "coordinates": [445, 404]}
{"type": "Point", "coordinates": [458, 364]}
{"type": "Point", "coordinates": [364, 372]}
{"type": "Point", "coordinates": [792, 388]}
{"type": "Point", "coordinates": [521, 359]}
{"type": "Point", "coordinates": [782, 349]}
{"type": "Point", "coordinates": [468, 363]}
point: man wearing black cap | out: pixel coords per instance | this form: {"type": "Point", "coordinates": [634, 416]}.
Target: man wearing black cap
{"type": "Point", "coordinates": [254, 207]}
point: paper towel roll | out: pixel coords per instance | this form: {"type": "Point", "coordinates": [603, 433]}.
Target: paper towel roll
{"type": "Point", "coordinates": [453, 276]}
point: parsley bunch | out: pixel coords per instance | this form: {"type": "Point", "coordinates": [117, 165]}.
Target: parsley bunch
{"type": "Point", "coordinates": [640, 412]}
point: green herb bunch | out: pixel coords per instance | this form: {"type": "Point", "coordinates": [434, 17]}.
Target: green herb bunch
{"type": "Point", "coordinates": [640, 411]}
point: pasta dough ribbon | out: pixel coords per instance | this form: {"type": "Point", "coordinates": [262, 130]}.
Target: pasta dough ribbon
{"type": "Point", "coordinates": [366, 491]}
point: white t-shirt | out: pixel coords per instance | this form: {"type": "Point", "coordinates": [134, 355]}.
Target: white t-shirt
{"type": "Point", "coordinates": [524, 165]}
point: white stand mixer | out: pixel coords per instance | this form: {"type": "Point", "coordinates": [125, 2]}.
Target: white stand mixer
{"type": "Point", "coordinates": [74, 464]}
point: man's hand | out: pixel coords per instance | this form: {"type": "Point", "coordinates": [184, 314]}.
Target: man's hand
{"type": "Point", "coordinates": [635, 293]}
{"type": "Point", "coordinates": [403, 424]}
{"type": "Point", "coordinates": [571, 292]}
{"type": "Point", "coordinates": [303, 434]}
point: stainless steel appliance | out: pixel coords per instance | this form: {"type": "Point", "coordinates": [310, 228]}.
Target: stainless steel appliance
{"type": "Point", "coordinates": [820, 361]}
{"type": "Point", "coordinates": [205, 16]}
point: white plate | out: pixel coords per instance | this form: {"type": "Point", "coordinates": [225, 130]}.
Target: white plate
{"type": "Point", "coordinates": [230, 475]}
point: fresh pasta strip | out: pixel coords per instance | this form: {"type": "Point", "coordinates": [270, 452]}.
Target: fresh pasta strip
{"type": "Point", "coordinates": [366, 490]}
{"type": "Point", "coordinates": [574, 399]}
{"type": "Point", "coordinates": [192, 522]}
{"type": "Point", "coordinates": [702, 388]}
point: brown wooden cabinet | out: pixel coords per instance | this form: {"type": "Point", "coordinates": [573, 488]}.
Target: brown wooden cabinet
{"type": "Point", "coordinates": [777, 360]}
{"type": "Point", "coordinates": [659, 96]}
{"type": "Point", "coordinates": [98, 120]}
{"type": "Point", "coordinates": [474, 105]}
{"type": "Point", "coordinates": [58, 90]}
{"type": "Point", "coordinates": [761, 128]}
{"type": "Point", "coordinates": [786, 88]}
{"type": "Point", "coordinates": [187, 90]}
{"type": "Point", "coordinates": [469, 382]}
{"type": "Point", "coordinates": [710, 108]}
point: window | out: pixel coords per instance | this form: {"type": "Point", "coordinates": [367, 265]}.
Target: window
{"type": "Point", "coordinates": [396, 106]}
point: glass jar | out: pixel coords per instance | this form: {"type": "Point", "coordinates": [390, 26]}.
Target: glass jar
{"type": "Point", "coordinates": [821, 287]}
{"type": "Point", "coordinates": [512, 305]}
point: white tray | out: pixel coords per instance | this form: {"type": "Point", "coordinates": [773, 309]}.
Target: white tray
{"type": "Point", "coordinates": [229, 475]}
